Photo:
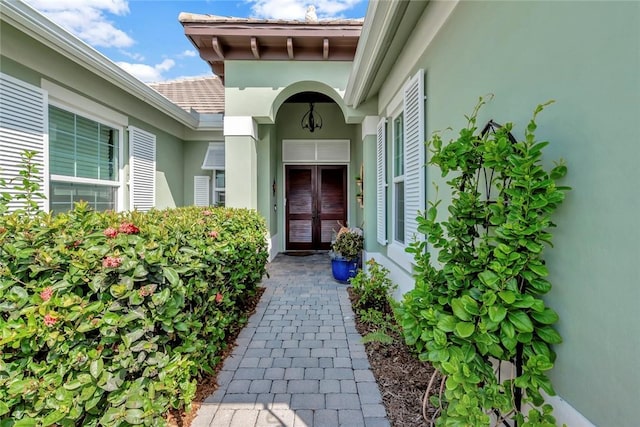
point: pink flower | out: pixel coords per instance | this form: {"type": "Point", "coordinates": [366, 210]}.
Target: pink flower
{"type": "Point", "coordinates": [49, 320]}
{"type": "Point", "coordinates": [219, 297]}
{"type": "Point", "coordinates": [111, 232]}
{"type": "Point", "coordinates": [213, 234]}
{"type": "Point", "coordinates": [206, 213]}
{"type": "Point", "coordinates": [46, 293]}
{"type": "Point", "coordinates": [129, 228]}
{"type": "Point", "coordinates": [111, 262]}
{"type": "Point", "coordinates": [145, 291]}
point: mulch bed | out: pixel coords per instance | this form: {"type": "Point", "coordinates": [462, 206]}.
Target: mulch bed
{"type": "Point", "coordinates": [401, 377]}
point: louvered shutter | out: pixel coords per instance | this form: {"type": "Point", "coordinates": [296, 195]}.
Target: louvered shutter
{"type": "Point", "coordinates": [142, 165]}
{"type": "Point", "coordinates": [23, 126]}
{"type": "Point", "coordinates": [381, 183]}
{"type": "Point", "coordinates": [214, 159]}
{"type": "Point", "coordinates": [201, 190]}
{"type": "Point", "coordinates": [414, 160]}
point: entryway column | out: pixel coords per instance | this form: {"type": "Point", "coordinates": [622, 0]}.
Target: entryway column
{"type": "Point", "coordinates": [241, 174]}
{"type": "Point", "coordinates": [369, 126]}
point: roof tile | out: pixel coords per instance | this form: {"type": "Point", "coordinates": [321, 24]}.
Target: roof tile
{"type": "Point", "coordinates": [202, 94]}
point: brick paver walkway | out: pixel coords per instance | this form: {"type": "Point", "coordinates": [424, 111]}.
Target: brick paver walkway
{"type": "Point", "coordinates": [300, 361]}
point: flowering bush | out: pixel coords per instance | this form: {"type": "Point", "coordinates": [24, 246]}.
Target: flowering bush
{"type": "Point", "coordinates": [108, 318]}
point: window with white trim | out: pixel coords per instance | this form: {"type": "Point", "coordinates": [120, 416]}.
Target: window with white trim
{"type": "Point", "coordinates": [398, 178]}
{"type": "Point", "coordinates": [214, 161]}
{"type": "Point", "coordinates": [218, 188]}
{"type": "Point", "coordinates": [84, 162]}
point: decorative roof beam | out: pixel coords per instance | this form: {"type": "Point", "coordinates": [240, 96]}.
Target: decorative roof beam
{"type": "Point", "coordinates": [290, 47]}
{"type": "Point", "coordinates": [217, 46]}
{"type": "Point", "coordinates": [325, 49]}
{"type": "Point", "coordinates": [255, 49]}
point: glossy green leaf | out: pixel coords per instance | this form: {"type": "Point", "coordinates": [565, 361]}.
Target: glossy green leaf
{"type": "Point", "coordinates": [52, 418]}
{"type": "Point", "coordinates": [547, 317]}
{"type": "Point", "coordinates": [520, 321]}
{"type": "Point", "coordinates": [464, 329]}
{"type": "Point", "coordinates": [507, 296]}
{"type": "Point", "coordinates": [171, 275]}
{"type": "Point", "coordinates": [497, 313]}
{"type": "Point", "coordinates": [549, 335]}
{"type": "Point", "coordinates": [489, 279]}
{"type": "Point", "coordinates": [539, 269]}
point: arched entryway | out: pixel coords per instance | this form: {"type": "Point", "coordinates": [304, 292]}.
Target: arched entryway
{"type": "Point", "coordinates": [316, 166]}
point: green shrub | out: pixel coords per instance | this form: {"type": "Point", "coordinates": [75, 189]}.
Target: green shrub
{"type": "Point", "coordinates": [373, 288]}
{"type": "Point", "coordinates": [109, 318]}
{"type": "Point", "coordinates": [480, 303]}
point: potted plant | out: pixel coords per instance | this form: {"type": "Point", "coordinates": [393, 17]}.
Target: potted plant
{"type": "Point", "coordinates": [345, 253]}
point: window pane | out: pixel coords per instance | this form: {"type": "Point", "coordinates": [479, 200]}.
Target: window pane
{"type": "Point", "coordinates": [398, 147]}
{"type": "Point", "coordinates": [399, 207]}
{"type": "Point", "coordinates": [219, 198]}
{"type": "Point", "coordinates": [65, 194]}
{"type": "Point", "coordinates": [219, 179]}
{"type": "Point", "coordinates": [62, 154]}
{"type": "Point", "coordinates": [80, 147]}
{"type": "Point", "coordinates": [108, 154]}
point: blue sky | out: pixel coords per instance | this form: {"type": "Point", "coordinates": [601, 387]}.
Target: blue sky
{"type": "Point", "coordinates": [145, 38]}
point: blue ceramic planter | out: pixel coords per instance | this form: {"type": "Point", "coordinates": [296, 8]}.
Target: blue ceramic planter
{"type": "Point", "coordinates": [344, 269]}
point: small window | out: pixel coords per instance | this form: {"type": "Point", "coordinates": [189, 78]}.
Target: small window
{"type": "Point", "coordinates": [218, 188]}
{"type": "Point", "coordinates": [398, 179]}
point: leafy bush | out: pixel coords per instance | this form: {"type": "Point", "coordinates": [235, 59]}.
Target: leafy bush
{"type": "Point", "coordinates": [109, 318]}
{"type": "Point", "coordinates": [482, 302]}
{"type": "Point", "coordinates": [373, 288]}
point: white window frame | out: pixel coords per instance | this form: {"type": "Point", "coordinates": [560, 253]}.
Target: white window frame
{"type": "Point", "coordinates": [215, 190]}
{"type": "Point", "coordinates": [119, 183]}
{"type": "Point", "coordinates": [396, 179]}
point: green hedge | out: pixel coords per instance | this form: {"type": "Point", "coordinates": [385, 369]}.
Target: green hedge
{"type": "Point", "coordinates": [109, 318]}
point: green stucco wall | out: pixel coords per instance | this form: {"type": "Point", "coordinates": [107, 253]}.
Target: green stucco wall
{"type": "Point", "coordinates": [258, 88]}
{"type": "Point", "coordinates": [586, 56]}
{"type": "Point", "coordinates": [30, 61]}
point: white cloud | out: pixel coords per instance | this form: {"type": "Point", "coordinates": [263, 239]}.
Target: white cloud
{"type": "Point", "coordinates": [188, 54]}
{"type": "Point", "coordinates": [148, 73]}
{"type": "Point", "coordinates": [296, 9]}
{"type": "Point", "coordinates": [87, 20]}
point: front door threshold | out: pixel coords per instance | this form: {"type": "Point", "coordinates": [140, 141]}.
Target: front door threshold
{"type": "Point", "coordinates": [305, 252]}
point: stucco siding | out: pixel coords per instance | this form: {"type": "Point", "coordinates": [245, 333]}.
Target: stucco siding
{"type": "Point", "coordinates": [584, 55]}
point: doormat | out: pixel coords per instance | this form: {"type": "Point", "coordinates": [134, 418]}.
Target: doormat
{"type": "Point", "coordinates": [302, 253]}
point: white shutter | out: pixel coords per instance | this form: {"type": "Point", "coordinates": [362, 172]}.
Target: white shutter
{"type": "Point", "coordinates": [142, 166]}
{"type": "Point", "coordinates": [201, 190]}
{"type": "Point", "coordinates": [23, 126]}
{"type": "Point", "coordinates": [214, 159]}
{"type": "Point", "coordinates": [414, 160]}
{"type": "Point", "coordinates": [381, 182]}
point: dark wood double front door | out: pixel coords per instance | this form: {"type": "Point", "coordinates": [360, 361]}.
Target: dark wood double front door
{"type": "Point", "coordinates": [316, 205]}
